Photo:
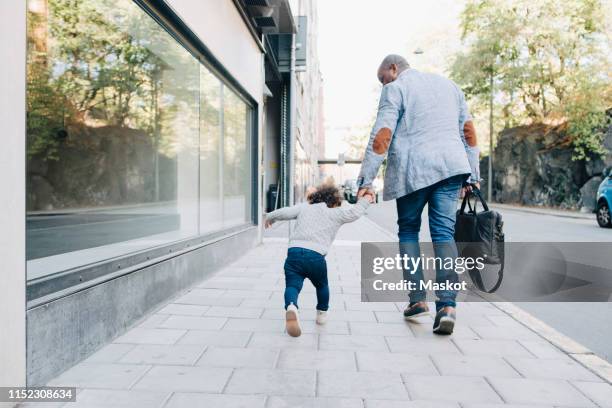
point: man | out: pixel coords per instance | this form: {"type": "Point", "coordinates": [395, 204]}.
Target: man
{"type": "Point", "coordinates": [424, 129]}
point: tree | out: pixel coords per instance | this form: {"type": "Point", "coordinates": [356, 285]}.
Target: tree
{"type": "Point", "coordinates": [548, 62]}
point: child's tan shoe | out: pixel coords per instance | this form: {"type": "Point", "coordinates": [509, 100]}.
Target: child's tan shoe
{"type": "Point", "coordinates": [321, 317]}
{"type": "Point", "coordinates": [292, 321]}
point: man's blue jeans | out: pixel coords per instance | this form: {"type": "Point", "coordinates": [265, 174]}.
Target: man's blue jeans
{"type": "Point", "coordinates": [304, 263]}
{"type": "Point", "coordinates": [442, 207]}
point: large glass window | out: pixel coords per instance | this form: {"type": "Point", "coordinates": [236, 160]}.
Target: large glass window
{"type": "Point", "coordinates": [236, 166]}
{"type": "Point", "coordinates": [130, 139]}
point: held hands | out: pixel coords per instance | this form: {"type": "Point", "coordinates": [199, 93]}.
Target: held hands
{"type": "Point", "coordinates": [468, 188]}
{"type": "Point", "coordinates": [368, 193]}
{"type": "Point", "coordinates": [267, 222]}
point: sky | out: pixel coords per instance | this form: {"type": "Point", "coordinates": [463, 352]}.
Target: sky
{"type": "Point", "coordinates": [355, 35]}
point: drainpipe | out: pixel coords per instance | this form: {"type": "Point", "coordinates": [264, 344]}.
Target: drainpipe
{"type": "Point", "coordinates": [291, 144]}
{"type": "Point", "coordinates": [292, 123]}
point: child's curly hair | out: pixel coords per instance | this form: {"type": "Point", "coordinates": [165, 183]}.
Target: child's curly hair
{"type": "Point", "coordinates": [326, 193]}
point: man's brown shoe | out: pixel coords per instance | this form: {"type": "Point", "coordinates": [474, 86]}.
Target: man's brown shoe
{"type": "Point", "coordinates": [415, 310]}
{"type": "Point", "coordinates": [444, 322]}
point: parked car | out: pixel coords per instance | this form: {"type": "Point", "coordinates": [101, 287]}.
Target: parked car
{"type": "Point", "coordinates": [604, 200]}
{"type": "Point", "coordinates": [350, 189]}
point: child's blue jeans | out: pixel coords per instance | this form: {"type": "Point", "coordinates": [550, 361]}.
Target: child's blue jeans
{"type": "Point", "coordinates": [304, 263]}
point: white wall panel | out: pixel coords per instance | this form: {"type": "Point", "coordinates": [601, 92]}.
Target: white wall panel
{"type": "Point", "coordinates": [220, 27]}
{"type": "Point", "coordinates": [12, 193]}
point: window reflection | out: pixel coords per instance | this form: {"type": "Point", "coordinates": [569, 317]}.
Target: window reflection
{"type": "Point", "coordinates": [125, 145]}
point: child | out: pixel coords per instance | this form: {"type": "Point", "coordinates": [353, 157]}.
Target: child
{"type": "Point", "coordinates": [317, 223]}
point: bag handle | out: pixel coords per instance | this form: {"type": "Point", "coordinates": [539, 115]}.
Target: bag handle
{"type": "Point", "coordinates": [466, 200]}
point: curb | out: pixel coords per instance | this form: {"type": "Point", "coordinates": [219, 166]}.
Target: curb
{"type": "Point", "coordinates": [573, 349]}
{"type": "Point", "coordinates": [554, 213]}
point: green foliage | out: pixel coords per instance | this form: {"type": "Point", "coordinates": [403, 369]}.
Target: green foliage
{"type": "Point", "coordinates": [550, 63]}
{"type": "Point", "coordinates": [101, 63]}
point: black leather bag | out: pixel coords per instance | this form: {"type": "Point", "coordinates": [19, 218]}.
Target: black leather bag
{"type": "Point", "coordinates": [480, 234]}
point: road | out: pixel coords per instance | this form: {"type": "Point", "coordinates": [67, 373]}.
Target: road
{"type": "Point", "coordinates": [588, 323]}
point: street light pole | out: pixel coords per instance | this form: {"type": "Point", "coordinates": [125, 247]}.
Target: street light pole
{"type": "Point", "coordinates": [490, 175]}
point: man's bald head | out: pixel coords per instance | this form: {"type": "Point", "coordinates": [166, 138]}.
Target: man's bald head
{"type": "Point", "coordinates": [390, 67]}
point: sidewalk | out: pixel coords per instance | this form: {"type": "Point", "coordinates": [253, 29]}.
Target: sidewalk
{"type": "Point", "coordinates": [222, 344]}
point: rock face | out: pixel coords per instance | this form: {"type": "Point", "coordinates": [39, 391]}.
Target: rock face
{"type": "Point", "coordinates": [102, 166]}
{"type": "Point", "coordinates": [532, 165]}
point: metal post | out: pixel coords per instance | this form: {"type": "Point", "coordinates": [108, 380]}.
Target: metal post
{"type": "Point", "coordinates": [490, 175]}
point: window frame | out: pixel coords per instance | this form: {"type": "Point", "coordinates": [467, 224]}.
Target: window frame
{"type": "Point", "coordinates": [45, 289]}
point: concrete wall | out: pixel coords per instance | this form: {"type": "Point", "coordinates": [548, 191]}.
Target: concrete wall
{"type": "Point", "coordinates": [63, 332]}
{"type": "Point", "coordinates": [12, 188]}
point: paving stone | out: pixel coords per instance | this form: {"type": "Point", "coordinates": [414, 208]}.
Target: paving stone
{"type": "Point", "coordinates": [503, 320]}
{"type": "Point", "coordinates": [262, 294]}
{"type": "Point", "coordinates": [461, 331]}
{"type": "Point", "coordinates": [552, 368]}
{"type": "Point", "coordinates": [317, 359]}
{"type": "Point", "coordinates": [532, 391]}
{"type": "Point", "coordinates": [361, 385]}
{"type": "Point", "coordinates": [409, 404]}
{"type": "Point", "coordinates": [272, 382]}
{"type": "Point", "coordinates": [505, 333]}
{"type": "Point", "coordinates": [382, 329]}
{"type": "Point", "coordinates": [216, 338]}
{"type": "Point", "coordinates": [203, 300]}
{"type": "Point", "coordinates": [301, 402]}
{"type": "Point", "coordinates": [469, 318]}
{"type": "Point", "coordinates": [187, 310]}
{"type": "Point", "coordinates": [226, 311]}
{"type": "Point", "coordinates": [238, 283]}
{"type": "Point", "coordinates": [264, 303]}
{"type": "Point", "coordinates": [394, 363]}
{"type": "Point", "coordinates": [278, 313]}
{"type": "Point", "coordinates": [421, 346]}
{"type": "Point", "coordinates": [194, 322]}
{"type": "Point", "coordinates": [109, 353]}
{"type": "Point", "coordinates": [352, 342]}
{"type": "Point", "coordinates": [212, 293]}
{"type": "Point", "coordinates": [163, 354]}
{"type": "Point", "coordinates": [331, 327]}
{"type": "Point", "coordinates": [196, 400]}
{"type": "Point", "coordinates": [153, 321]}
{"type": "Point", "coordinates": [282, 340]}
{"type": "Point", "coordinates": [238, 357]}
{"type": "Point", "coordinates": [599, 392]}
{"type": "Point", "coordinates": [543, 349]}
{"type": "Point", "coordinates": [390, 317]}
{"type": "Point", "coordinates": [338, 315]}
{"type": "Point", "coordinates": [255, 325]}
{"type": "Point", "coordinates": [92, 398]}
{"type": "Point", "coordinates": [500, 348]}
{"type": "Point", "coordinates": [183, 378]}
{"type": "Point", "coordinates": [371, 306]}
{"type": "Point", "coordinates": [477, 366]}
{"type": "Point", "coordinates": [462, 389]}
{"type": "Point", "coordinates": [151, 336]}
{"type": "Point", "coordinates": [470, 405]}
{"type": "Point", "coordinates": [85, 375]}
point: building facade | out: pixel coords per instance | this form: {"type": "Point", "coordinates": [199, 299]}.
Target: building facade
{"type": "Point", "coordinates": [141, 140]}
